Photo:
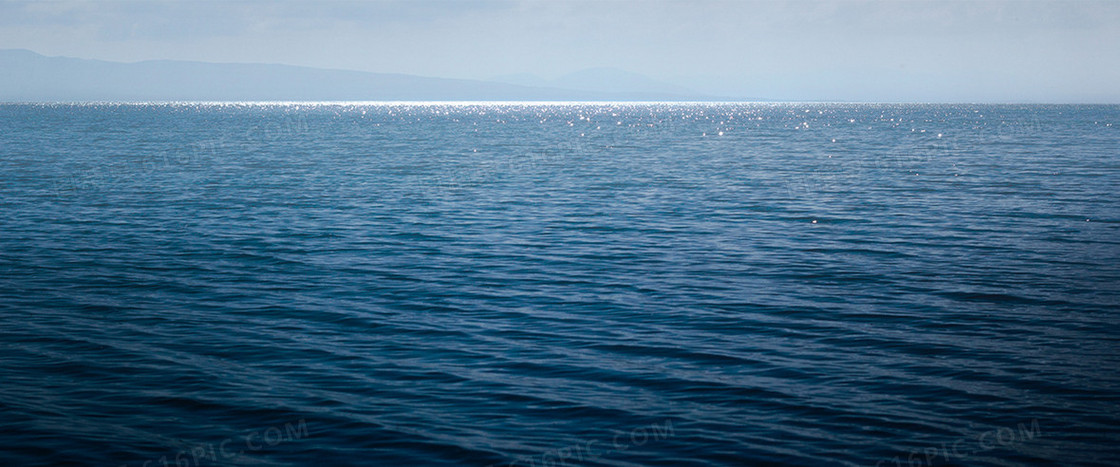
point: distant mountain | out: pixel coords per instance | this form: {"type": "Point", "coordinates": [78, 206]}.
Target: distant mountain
{"type": "Point", "coordinates": [26, 76]}
{"type": "Point", "coordinates": [606, 80]}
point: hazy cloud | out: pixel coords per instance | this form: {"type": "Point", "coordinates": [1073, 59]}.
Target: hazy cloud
{"type": "Point", "coordinates": [850, 50]}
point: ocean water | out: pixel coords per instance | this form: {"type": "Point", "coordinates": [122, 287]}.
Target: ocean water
{"type": "Point", "coordinates": [544, 285]}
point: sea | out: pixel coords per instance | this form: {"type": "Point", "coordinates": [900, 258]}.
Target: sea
{"type": "Point", "coordinates": [559, 284]}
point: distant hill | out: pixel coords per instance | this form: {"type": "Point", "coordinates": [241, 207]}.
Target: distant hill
{"type": "Point", "coordinates": [26, 76]}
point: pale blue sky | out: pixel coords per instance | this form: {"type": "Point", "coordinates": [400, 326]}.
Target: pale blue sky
{"type": "Point", "coordinates": [990, 51]}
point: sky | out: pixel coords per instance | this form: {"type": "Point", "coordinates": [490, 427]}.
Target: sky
{"type": "Point", "coordinates": [884, 51]}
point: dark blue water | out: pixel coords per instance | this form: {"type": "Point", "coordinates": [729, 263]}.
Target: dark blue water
{"type": "Point", "coordinates": [559, 285]}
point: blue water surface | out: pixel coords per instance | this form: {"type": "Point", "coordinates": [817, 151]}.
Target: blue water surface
{"type": "Point", "coordinates": [559, 284]}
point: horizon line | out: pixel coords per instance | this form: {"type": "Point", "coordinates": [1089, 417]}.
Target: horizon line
{"type": "Point", "coordinates": [524, 102]}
